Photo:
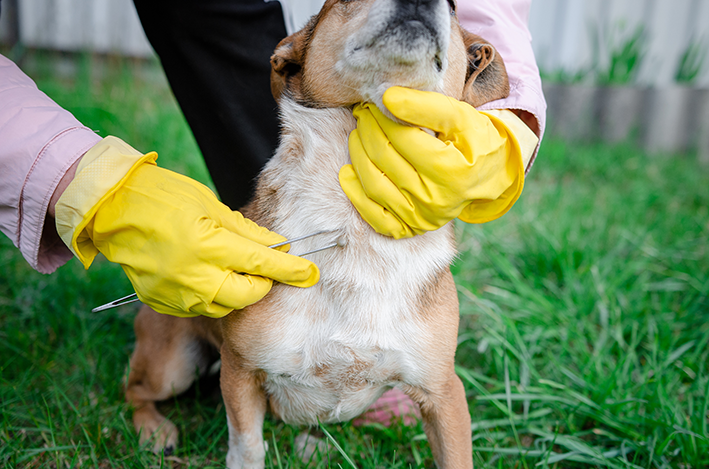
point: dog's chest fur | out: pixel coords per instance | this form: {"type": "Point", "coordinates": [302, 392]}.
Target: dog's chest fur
{"type": "Point", "coordinates": [330, 350]}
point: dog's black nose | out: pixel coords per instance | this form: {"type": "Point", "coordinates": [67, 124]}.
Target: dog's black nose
{"type": "Point", "coordinates": [419, 2]}
{"type": "Point", "coordinates": [415, 8]}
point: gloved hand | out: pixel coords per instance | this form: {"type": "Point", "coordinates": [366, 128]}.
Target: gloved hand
{"type": "Point", "coordinates": [185, 252]}
{"type": "Point", "coordinates": [404, 181]}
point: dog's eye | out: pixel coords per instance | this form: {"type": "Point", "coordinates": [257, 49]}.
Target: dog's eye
{"type": "Point", "coordinates": [452, 6]}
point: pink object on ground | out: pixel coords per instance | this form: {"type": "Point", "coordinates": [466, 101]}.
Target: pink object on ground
{"type": "Point", "coordinates": [393, 405]}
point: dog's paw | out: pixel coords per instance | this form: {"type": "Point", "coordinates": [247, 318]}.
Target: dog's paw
{"type": "Point", "coordinates": [160, 435]}
{"type": "Point", "coordinates": [163, 439]}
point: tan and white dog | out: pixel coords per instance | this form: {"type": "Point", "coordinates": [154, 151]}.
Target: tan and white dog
{"type": "Point", "coordinates": [385, 312]}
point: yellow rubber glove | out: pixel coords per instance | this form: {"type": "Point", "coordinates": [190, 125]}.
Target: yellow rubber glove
{"type": "Point", "coordinates": [185, 252]}
{"type": "Point", "coordinates": [404, 181]}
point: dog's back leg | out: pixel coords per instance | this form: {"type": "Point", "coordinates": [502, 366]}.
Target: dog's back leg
{"type": "Point", "coordinates": [447, 424]}
{"type": "Point", "coordinates": [168, 357]}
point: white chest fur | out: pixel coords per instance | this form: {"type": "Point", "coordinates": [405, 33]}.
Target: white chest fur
{"type": "Point", "coordinates": [332, 349]}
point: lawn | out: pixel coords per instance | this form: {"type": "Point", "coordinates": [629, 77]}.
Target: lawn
{"type": "Point", "coordinates": [584, 317]}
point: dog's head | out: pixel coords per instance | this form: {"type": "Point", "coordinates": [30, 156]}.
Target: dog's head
{"type": "Point", "coordinates": [353, 50]}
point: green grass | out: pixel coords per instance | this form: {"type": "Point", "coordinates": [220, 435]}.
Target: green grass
{"type": "Point", "coordinates": [584, 319]}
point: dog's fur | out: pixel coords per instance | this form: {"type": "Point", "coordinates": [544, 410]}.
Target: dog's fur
{"type": "Point", "coordinates": [385, 312]}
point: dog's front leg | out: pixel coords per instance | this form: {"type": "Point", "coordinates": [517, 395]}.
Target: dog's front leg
{"type": "Point", "coordinates": [245, 403]}
{"type": "Point", "coordinates": [446, 420]}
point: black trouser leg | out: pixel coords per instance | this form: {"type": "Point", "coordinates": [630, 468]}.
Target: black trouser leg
{"type": "Point", "coordinates": [216, 57]}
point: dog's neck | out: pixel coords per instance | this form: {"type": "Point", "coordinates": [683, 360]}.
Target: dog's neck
{"type": "Point", "coordinates": [303, 171]}
{"type": "Point", "coordinates": [308, 132]}
{"type": "Point", "coordinates": [301, 194]}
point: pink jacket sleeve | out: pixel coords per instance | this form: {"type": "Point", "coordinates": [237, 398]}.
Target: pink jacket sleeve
{"type": "Point", "coordinates": [504, 24]}
{"type": "Point", "coordinates": [39, 141]}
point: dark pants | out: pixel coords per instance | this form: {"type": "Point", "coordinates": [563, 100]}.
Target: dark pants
{"type": "Point", "coordinates": [216, 57]}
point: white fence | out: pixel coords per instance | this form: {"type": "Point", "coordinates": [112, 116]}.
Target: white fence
{"type": "Point", "coordinates": [569, 36]}
{"type": "Point", "coordinates": [110, 26]}
{"type": "Point", "coordinates": [578, 35]}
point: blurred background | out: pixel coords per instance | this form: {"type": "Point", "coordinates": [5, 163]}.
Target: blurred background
{"type": "Point", "coordinates": [584, 335]}
{"type": "Point", "coordinates": [613, 69]}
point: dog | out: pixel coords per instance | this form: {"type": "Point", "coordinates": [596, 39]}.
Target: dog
{"type": "Point", "coordinates": [385, 312]}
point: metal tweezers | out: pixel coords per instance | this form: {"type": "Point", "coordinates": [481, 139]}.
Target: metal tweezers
{"type": "Point", "coordinates": [134, 297]}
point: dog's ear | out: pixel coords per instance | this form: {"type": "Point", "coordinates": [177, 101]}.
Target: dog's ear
{"type": "Point", "coordinates": [287, 64]}
{"type": "Point", "coordinates": [486, 78]}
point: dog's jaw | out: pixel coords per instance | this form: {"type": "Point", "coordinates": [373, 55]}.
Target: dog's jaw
{"type": "Point", "coordinates": [402, 43]}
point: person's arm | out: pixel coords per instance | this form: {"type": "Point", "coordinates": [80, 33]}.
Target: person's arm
{"type": "Point", "coordinates": [505, 24]}
{"type": "Point", "coordinates": [39, 143]}
{"type": "Point", "coordinates": [184, 251]}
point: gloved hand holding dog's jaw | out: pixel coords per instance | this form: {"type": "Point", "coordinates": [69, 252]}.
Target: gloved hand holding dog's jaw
{"type": "Point", "coordinates": [185, 252]}
{"type": "Point", "coordinates": [405, 182]}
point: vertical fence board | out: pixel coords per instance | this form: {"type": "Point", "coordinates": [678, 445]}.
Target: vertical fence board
{"type": "Point", "coordinates": [102, 32]}
{"type": "Point", "coordinates": [594, 15]}
{"type": "Point", "coordinates": [666, 41]}
{"type": "Point", "coordinates": [701, 34]}
{"type": "Point", "coordinates": [572, 36]}
{"type": "Point", "coordinates": [622, 21]}
{"type": "Point", "coordinates": [542, 26]}
{"type": "Point", "coordinates": [138, 43]}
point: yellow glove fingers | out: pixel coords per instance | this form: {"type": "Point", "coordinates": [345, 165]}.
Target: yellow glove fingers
{"type": "Point", "coordinates": [397, 187]}
{"type": "Point", "coordinates": [453, 121]}
{"type": "Point", "coordinates": [379, 218]}
{"type": "Point", "coordinates": [440, 113]}
{"type": "Point", "coordinates": [193, 192]}
{"type": "Point", "coordinates": [370, 142]}
{"type": "Point", "coordinates": [252, 257]}
{"type": "Point", "coordinates": [237, 223]}
{"type": "Point", "coordinates": [486, 164]}
{"type": "Point", "coordinates": [239, 291]}
{"type": "Point", "coordinates": [428, 156]}
{"type": "Point", "coordinates": [382, 172]}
